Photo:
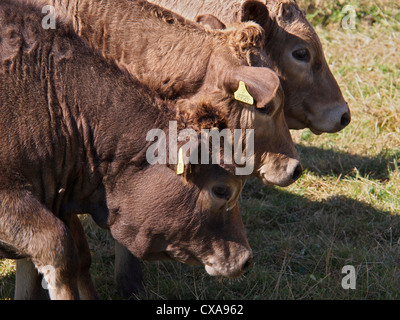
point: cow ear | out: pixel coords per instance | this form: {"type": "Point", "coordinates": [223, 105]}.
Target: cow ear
{"type": "Point", "coordinates": [287, 11]}
{"type": "Point", "coordinates": [260, 84]}
{"type": "Point", "coordinates": [210, 21]}
{"type": "Point", "coordinates": [255, 11]}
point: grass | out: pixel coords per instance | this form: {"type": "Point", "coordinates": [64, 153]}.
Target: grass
{"type": "Point", "coordinates": [343, 211]}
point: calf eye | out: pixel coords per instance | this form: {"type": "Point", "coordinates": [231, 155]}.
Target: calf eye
{"type": "Point", "coordinates": [302, 55]}
{"type": "Point", "coordinates": [268, 109]}
{"type": "Point", "coordinates": [222, 192]}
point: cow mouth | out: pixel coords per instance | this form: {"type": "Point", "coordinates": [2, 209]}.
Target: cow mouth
{"type": "Point", "coordinates": [281, 183]}
{"type": "Point", "coordinates": [215, 271]}
{"type": "Point", "coordinates": [316, 131]}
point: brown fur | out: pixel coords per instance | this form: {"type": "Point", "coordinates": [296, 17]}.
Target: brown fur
{"type": "Point", "coordinates": [312, 96]}
{"type": "Point", "coordinates": [69, 145]}
{"type": "Point", "coordinates": [156, 46]}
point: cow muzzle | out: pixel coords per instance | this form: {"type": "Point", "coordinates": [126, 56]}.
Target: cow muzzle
{"type": "Point", "coordinates": [334, 119]}
{"type": "Point", "coordinates": [232, 269]}
{"type": "Point", "coordinates": [281, 173]}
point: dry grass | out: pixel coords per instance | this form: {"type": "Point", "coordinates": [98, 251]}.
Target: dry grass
{"type": "Point", "coordinates": [344, 210]}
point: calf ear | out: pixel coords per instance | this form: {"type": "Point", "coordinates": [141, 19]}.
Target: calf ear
{"type": "Point", "coordinates": [210, 21]}
{"type": "Point", "coordinates": [261, 83]}
{"type": "Point", "coordinates": [255, 11]}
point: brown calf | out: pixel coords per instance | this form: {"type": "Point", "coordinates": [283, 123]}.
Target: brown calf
{"type": "Point", "coordinates": [73, 140]}
{"type": "Point", "coordinates": [312, 96]}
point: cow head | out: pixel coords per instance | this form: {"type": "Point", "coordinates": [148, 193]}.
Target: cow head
{"type": "Point", "coordinates": [312, 96]}
{"type": "Point", "coordinates": [189, 215]}
{"type": "Point", "coordinates": [158, 214]}
{"type": "Point", "coordinates": [275, 158]}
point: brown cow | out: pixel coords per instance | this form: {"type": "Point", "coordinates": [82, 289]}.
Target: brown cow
{"type": "Point", "coordinates": [312, 96]}
{"type": "Point", "coordinates": [156, 46]}
{"type": "Point", "coordinates": [143, 39]}
{"type": "Point", "coordinates": [73, 140]}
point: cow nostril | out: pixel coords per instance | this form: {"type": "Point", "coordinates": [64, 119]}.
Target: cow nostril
{"type": "Point", "coordinates": [247, 264]}
{"type": "Point", "coordinates": [298, 171]}
{"type": "Point", "coordinates": [345, 120]}
{"type": "Point", "coordinates": [222, 192]}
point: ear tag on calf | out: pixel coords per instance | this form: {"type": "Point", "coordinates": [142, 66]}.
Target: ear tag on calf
{"type": "Point", "coordinates": [243, 95]}
{"type": "Point", "coordinates": [180, 169]}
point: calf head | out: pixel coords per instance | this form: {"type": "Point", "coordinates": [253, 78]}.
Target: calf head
{"type": "Point", "coordinates": [158, 214]}
{"type": "Point", "coordinates": [313, 98]}
{"type": "Point", "coordinates": [189, 215]}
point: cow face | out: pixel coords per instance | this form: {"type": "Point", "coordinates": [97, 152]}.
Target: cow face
{"type": "Point", "coordinates": [158, 214]}
{"type": "Point", "coordinates": [275, 158]}
{"type": "Point", "coordinates": [312, 96]}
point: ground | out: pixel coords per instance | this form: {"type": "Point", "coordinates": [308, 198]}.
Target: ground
{"type": "Point", "coordinates": [343, 211]}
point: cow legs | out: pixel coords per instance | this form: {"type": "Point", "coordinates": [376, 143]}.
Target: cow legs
{"type": "Point", "coordinates": [86, 287]}
{"type": "Point", "coordinates": [28, 282]}
{"type": "Point", "coordinates": [127, 272]}
{"type": "Point", "coordinates": [32, 230]}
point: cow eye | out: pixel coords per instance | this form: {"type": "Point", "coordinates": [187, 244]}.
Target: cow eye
{"type": "Point", "coordinates": [268, 109]}
{"type": "Point", "coordinates": [302, 55]}
{"type": "Point", "coordinates": [222, 192]}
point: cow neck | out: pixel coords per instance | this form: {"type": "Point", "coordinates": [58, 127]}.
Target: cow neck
{"type": "Point", "coordinates": [108, 111]}
{"type": "Point", "coordinates": [138, 35]}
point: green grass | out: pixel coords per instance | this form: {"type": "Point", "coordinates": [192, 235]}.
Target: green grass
{"type": "Point", "coordinates": [343, 211]}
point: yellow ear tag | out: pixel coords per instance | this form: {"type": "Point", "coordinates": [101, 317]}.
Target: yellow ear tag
{"type": "Point", "coordinates": [180, 169]}
{"type": "Point", "coordinates": [243, 95]}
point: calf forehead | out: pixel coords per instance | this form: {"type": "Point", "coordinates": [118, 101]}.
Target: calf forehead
{"type": "Point", "coordinates": [158, 186]}
{"type": "Point", "coordinates": [295, 23]}
{"type": "Point", "coordinates": [303, 31]}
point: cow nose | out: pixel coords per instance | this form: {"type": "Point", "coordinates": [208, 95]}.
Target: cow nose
{"type": "Point", "coordinates": [297, 172]}
{"type": "Point", "coordinates": [345, 120]}
{"type": "Point", "coordinates": [247, 265]}
{"type": "Point", "coordinates": [294, 171]}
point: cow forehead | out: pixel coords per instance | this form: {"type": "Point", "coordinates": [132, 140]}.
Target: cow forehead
{"type": "Point", "coordinates": [297, 25]}
{"type": "Point", "coordinates": [302, 29]}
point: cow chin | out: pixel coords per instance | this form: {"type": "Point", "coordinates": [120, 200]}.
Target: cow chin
{"type": "Point", "coordinates": [316, 131]}
{"type": "Point", "coordinates": [276, 182]}
{"type": "Point", "coordinates": [182, 255]}
{"type": "Point", "coordinates": [294, 123]}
